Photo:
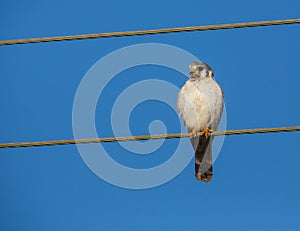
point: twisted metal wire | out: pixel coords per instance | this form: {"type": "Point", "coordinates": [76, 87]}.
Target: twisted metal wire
{"type": "Point", "coordinates": [150, 32]}
{"type": "Point", "coordinates": [146, 137]}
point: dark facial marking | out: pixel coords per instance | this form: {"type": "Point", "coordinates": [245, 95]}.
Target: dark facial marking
{"type": "Point", "coordinates": [200, 69]}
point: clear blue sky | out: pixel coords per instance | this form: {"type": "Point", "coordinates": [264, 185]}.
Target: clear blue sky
{"type": "Point", "coordinates": [256, 184]}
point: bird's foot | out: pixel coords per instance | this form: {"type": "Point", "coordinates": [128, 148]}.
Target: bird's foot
{"type": "Point", "coordinates": [206, 132]}
{"type": "Point", "coordinates": [193, 134]}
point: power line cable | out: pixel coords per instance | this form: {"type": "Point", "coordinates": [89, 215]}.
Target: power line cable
{"type": "Point", "coordinates": [149, 32]}
{"type": "Point", "coordinates": [147, 137]}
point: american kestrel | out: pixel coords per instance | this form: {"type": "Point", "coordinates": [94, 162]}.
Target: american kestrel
{"type": "Point", "coordinates": [200, 104]}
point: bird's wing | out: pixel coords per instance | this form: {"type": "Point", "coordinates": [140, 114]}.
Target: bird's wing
{"type": "Point", "coordinates": [180, 103]}
{"type": "Point", "coordinates": [203, 157]}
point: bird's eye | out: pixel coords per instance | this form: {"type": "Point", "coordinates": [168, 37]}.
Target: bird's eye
{"type": "Point", "coordinates": [200, 69]}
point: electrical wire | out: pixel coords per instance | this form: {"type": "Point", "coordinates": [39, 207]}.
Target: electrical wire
{"type": "Point", "coordinates": [150, 32]}
{"type": "Point", "coordinates": [146, 137]}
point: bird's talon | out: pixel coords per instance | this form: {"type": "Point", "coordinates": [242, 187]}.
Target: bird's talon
{"type": "Point", "coordinates": [206, 132]}
{"type": "Point", "coordinates": [193, 134]}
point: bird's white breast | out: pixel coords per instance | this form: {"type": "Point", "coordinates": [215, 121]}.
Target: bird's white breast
{"type": "Point", "coordinates": [200, 104]}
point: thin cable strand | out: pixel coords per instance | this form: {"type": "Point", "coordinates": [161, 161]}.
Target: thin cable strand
{"type": "Point", "coordinates": [148, 137]}
{"type": "Point", "coordinates": [149, 32]}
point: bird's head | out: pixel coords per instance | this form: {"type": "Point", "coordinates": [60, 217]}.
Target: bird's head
{"type": "Point", "coordinates": [200, 70]}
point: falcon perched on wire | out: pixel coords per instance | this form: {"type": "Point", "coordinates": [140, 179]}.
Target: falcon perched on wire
{"type": "Point", "coordinates": [200, 104]}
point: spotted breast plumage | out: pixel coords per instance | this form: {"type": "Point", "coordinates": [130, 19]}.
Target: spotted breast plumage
{"type": "Point", "coordinates": [200, 104]}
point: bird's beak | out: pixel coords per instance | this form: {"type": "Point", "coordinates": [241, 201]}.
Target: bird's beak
{"type": "Point", "coordinates": [192, 71]}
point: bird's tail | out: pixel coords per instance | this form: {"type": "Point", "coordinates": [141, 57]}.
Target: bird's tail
{"type": "Point", "coordinates": [204, 176]}
{"type": "Point", "coordinates": [203, 158]}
